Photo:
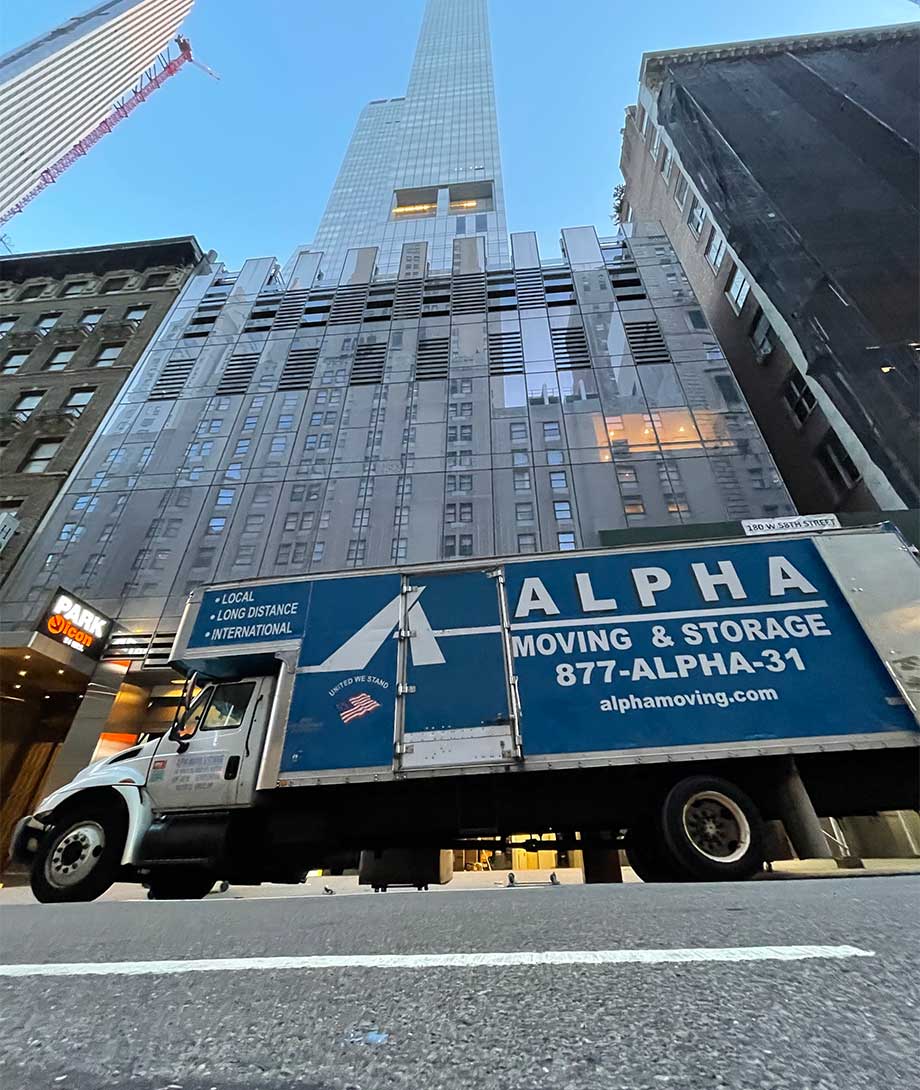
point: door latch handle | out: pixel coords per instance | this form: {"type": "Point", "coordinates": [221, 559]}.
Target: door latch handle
{"type": "Point", "coordinates": [233, 767]}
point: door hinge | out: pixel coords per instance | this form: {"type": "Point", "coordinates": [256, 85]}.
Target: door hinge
{"type": "Point", "coordinates": [406, 634]}
{"type": "Point", "coordinates": [404, 690]}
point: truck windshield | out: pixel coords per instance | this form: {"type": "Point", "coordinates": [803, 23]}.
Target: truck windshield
{"type": "Point", "coordinates": [228, 706]}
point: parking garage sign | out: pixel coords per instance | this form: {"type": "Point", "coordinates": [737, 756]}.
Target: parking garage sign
{"type": "Point", "coordinates": [70, 621]}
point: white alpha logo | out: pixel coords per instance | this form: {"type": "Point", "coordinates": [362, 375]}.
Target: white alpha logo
{"type": "Point", "coordinates": [358, 650]}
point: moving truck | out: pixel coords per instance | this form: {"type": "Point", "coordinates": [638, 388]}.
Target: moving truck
{"type": "Point", "coordinates": [671, 699]}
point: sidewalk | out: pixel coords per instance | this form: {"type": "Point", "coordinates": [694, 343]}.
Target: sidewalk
{"type": "Point", "coordinates": [17, 892]}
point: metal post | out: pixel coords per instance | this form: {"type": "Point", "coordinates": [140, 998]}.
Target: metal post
{"type": "Point", "coordinates": [799, 816]}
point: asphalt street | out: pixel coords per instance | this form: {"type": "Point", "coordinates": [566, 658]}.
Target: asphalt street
{"type": "Point", "coordinates": [847, 1017]}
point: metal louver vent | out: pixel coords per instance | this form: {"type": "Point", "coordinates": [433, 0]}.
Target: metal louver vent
{"type": "Point", "coordinates": [151, 648]}
{"type": "Point", "coordinates": [646, 342]}
{"type": "Point", "coordinates": [570, 348]}
{"type": "Point", "coordinates": [368, 366]}
{"type": "Point", "coordinates": [468, 294]}
{"type": "Point", "coordinates": [431, 359]}
{"type": "Point", "coordinates": [172, 380]}
{"type": "Point", "coordinates": [348, 305]}
{"type": "Point", "coordinates": [506, 354]}
{"type": "Point", "coordinates": [298, 369]}
{"type": "Point", "coordinates": [407, 303]}
{"type": "Point", "coordinates": [529, 288]}
{"type": "Point", "coordinates": [290, 311]}
{"type": "Point", "coordinates": [238, 373]}
{"type": "Point", "coordinates": [626, 283]}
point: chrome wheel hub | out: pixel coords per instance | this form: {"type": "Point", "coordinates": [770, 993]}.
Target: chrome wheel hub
{"type": "Point", "coordinates": [75, 854]}
{"type": "Point", "coordinates": [716, 826]}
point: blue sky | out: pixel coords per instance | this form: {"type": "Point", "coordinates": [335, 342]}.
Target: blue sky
{"type": "Point", "coordinates": [245, 164]}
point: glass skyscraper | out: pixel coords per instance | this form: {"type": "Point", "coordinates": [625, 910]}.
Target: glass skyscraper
{"type": "Point", "coordinates": [426, 166]}
{"type": "Point", "coordinates": [444, 396]}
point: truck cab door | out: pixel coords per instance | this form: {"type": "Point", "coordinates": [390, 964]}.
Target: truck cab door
{"type": "Point", "coordinates": [208, 760]}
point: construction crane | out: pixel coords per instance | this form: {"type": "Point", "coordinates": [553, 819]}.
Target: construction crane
{"type": "Point", "coordinates": [150, 81]}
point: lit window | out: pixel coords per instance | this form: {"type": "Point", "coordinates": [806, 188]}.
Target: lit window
{"type": "Point", "coordinates": [633, 505]}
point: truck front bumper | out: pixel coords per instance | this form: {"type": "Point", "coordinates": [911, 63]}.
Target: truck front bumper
{"type": "Point", "coordinates": [27, 835]}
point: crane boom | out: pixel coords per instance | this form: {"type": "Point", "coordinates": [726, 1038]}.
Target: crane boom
{"type": "Point", "coordinates": [119, 113]}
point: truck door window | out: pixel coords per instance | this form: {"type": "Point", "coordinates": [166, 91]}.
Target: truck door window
{"type": "Point", "coordinates": [193, 716]}
{"type": "Point", "coordinates": [228, 706]}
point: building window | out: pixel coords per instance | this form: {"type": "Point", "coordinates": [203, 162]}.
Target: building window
{"type": "Point", "coordinates": [562, 509]}
{"type": "Point", "coordinates": [696, 320]}
{"type": "Point", "coordinates": [565, 542]}
{"type": "Point", "coordinates": [47, 321]}
{"type": "Point", "coordinates": [798, 396]}
{"type": "Point", "coordinates": [59, 359]}
{"type": "Point", "coordinates": [520, 458]}
{"type": "Point", "coordinates": [677, 506]}
{"type": "Point", "coordinates": [633, 505]}
{"type": "Point", "coordinates": [626, 475]}
{"type": "Point", "coordinates": [136, 314]}
{"type": "Point", "coordinates": [667, 162]}
{"type": "Point", "coordinates": [761, 336]}
{"type": "Point", "coordinates": [737, 289]}
{"type": "Point", "coordinates": [75, 287]}
{"type": "Point", "coordinates": [78, 400]}
{"type": "Point", "coordinates": [655, 141]}
{"type": "Point", "coordinates": [156, 280]}
{"type": "Point", "coordinates": [107, 355]}
{"type": "Point", "coordinates": [278, 444]}
{"type": "Point", "coordinates": [285, 422]}
{"type": "Point", "coordinates": [253, 524]}
{"type": "Point", "coordinates": [398, 547]}
{"type": "Point", "coordinates": [245, 555]}
{"type": "Point", "coordinates": [13, 361]}
{"type": "Point", "coordinates": [40, 455]}
{"type": "Point", "coordinates": [715, 249]}
{"type": "Point", "coordinates": [696, 216]}
{"type": "Point", "coordinates": [114, 283]}
{"type": "Point", "coordinates": [225, 497]}
{"type": "Point", "coordinates": [465, 541]}
{"type": "Point", "coordinates": [837, 464]}
{"type": "Point", "coordinates": [216, 525]}
{"type": "Point", "coordinates": [27, 404]}
{"type": "Point", "coordinates": [205, 557]}
{"type": "Point", "coordinates": [249, 423]}
{"type": "Point", "coordinates": [551, 431]}
{"type": "Point", "coordinates": [522, 480]}
{"type": "Point", "coordinates": [283, 554]}
{"type": "Point", "coordinates": [70, 531]}
{"type": "Point", "coordinates": [527, 543]}
{"type": "Point", "coordinates": [319, 550]}
{"type": "Point", "coordinates": [33, 291]}
{"type": "Point", "coordinates": [558, 481]}
{"type": "Point", "coordinates": [357, 550]}
{"type": "Point", "coordinates": [449, 546]}
{"type": "Point", "coordinates": [7, 323]}
{"type": "Point", "coordinates": [482, 224]}
{"type": "Point", "coordinates": [523, 512]}
{"type": "Point", "coordinates": [460, 225]}
{"type": "Point", "coordinates": [86, 503]}
{"type": "Point", "coordinates": [554, 458]}
{"type": "Point", "coordinates": [680, 190]}
{"type": "Point", "coordinates": [90, 318]}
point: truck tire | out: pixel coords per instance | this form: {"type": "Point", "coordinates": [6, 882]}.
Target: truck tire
{"type": "Point", "coordinates": [712, 830]}
{"type": "Point", "coordinates": [80, 857]}
{"type": "Point", "coordinates": [647, 854]}
{"type": "Point", "coordinates": [181, 885]}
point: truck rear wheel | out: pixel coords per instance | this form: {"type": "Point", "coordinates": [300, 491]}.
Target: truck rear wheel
{"type": "Point", "coordinates": [182, 885]}
{"type": "Point", "coordinates": [80, 857]}
{"type": "Point", "coordinates": [712, 830]}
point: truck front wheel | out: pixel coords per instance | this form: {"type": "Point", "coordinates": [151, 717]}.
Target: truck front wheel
{"type": "Point", "coordinates": [79, 858]}
{"type": "Point", "coordinates": [712, 830]}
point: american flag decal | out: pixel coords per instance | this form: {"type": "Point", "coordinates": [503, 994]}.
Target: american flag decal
{"type": "Point", "coordinates": [356, 706]}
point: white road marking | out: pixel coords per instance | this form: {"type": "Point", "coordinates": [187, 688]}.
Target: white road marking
{"type": "Point", "coordinates": [498, 959]}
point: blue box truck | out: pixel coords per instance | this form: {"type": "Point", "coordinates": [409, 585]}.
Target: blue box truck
{"type": "Point", "coordinates": [656, 698]}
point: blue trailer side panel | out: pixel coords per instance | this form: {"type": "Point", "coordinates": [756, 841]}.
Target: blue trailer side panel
{"type": "Point", "coordinates": [342, 707]}
{"type": "Point", "coordinates": [775, 652]}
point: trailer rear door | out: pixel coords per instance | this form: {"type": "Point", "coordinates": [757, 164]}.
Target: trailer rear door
{"type": "Point", "coordinates": [458, 705]}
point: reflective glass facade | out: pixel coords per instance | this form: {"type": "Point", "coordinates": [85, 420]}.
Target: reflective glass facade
{"type": "Point", "coordinates": [426, 166]}
{"type": "Point", "coordinates": [278, 428]}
